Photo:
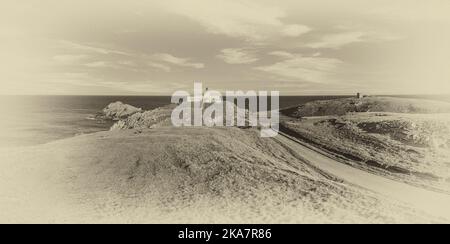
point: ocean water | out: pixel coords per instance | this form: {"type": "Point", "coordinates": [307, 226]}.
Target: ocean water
{"type": "Point", "coordinates": [33, 120]}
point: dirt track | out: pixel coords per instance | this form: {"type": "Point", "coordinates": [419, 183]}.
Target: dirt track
{"type": "Point", "coordinates": [431, 202]}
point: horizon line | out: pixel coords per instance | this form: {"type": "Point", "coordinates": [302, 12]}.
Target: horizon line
{"type": "Point", "coordinates": [165, 95]}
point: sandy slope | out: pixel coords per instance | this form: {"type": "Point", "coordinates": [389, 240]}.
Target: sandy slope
{"type": "Point", "coordinates": [434, 203]}
{"type": "Point", "coordinates": [195, 175]}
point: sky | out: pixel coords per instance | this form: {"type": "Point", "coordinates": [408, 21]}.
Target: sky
{"type": "Point", "coordinates": [147, 47]}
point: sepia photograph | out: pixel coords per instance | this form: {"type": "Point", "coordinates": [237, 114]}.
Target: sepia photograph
{"type": "Point", "coordinates": [255, 112]}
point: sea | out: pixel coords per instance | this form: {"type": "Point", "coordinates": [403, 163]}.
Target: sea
{"type": "Point", "coordinates": [34, 120]}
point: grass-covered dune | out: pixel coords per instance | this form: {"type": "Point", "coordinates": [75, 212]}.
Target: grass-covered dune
{"type": "Point", "coordinates": [180, 175]}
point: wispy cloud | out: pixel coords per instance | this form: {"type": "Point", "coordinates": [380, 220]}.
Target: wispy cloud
{"type": "Point", "coordinates": [119, 58]}
{"type": "Point", "coordinates": [302, 68]}
{"type": "Point", "coordinates": [89, 48]}
{"type": "Point", "coordinates": [159, 66]}
{"type": "Point", "coordinates": [295, 30]}
{"type": "Point", "coordinates": [241, 19]}
{"type": "Point", "coordinates": [282, 54]}
{"type": "Point", "coordinates": [339, 40]}
{"type": "Point", "coordinates": [69, 58]}
{"type": "Point", "coordinates": [335, 41]}
{"type": "Point", "coordinates": [99, 64]}
{"type": "Point", "coordinates": [237, 56]}
{"type": "Point", "coordinates": [184, 62]}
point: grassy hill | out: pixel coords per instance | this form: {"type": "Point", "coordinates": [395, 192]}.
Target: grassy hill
{"type": "Point", "coordinates": [408, 139]}
{"type": "Point", "coordinates": [368, 104]}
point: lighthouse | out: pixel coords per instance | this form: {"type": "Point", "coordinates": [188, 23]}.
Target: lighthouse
{"type": "Point", "coordinates": [206, 99]}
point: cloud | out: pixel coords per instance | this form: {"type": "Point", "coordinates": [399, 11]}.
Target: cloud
{"type": "Point", "coordinates": [239, 19]}
{"type": "Point", "coordinates": [184, 62]}
{"type": "Point", "coordinates": [69, 58]}
{"type": "Point", "coordinates": [99, 64]}
{"type": "Point", "coordinates": [236, 56]}
{"type": "Point", "coordinates": [89, 48]}
{"type": "Point", "coordinates": [159, 60]}
{"type": "Point", "coordinates": [281, 54]}
{"type": "Point", "coordinates": [163, 67]}
{"type": "Point", "coordinates": [295, 30]}
{"type": "Point", "coordinates": [300, 68]}
{"type": "Point", "coordinates": [115, 65]}
{"type": "Point", "coordinates": [336, 41]}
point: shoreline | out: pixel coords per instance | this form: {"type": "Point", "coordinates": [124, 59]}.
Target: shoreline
{"type": "Point", "coordinates": [157, 173]}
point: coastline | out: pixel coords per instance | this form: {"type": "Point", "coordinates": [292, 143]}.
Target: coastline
{"type": "Point", "coordinates": [147, 171]}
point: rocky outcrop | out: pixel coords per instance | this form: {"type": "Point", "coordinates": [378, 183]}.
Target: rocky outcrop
{"type": "Point", "coordinates": [159, 117]}
{"type": "Point", "coordinates": [146, 120]}
{"type": "Point", "coordinates": [118, 110]}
